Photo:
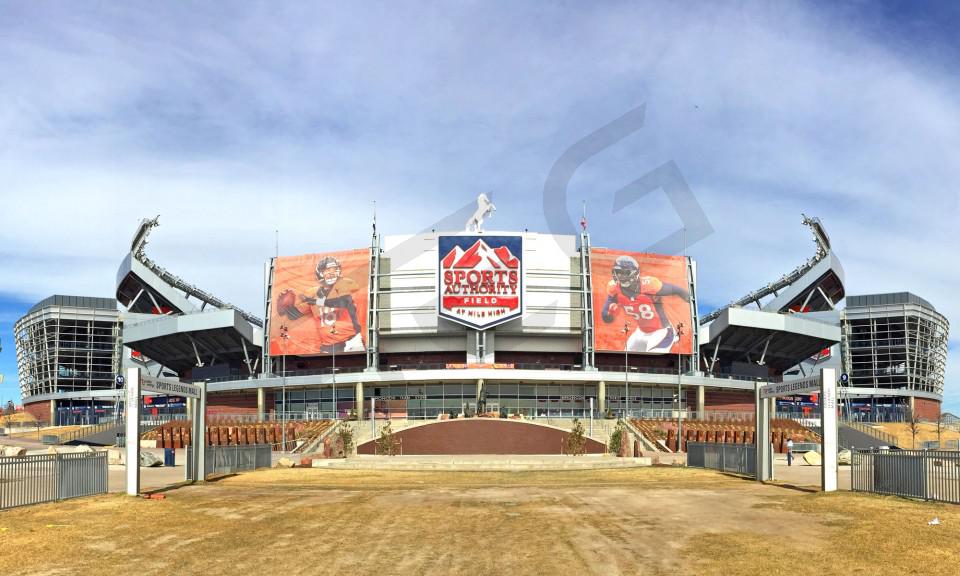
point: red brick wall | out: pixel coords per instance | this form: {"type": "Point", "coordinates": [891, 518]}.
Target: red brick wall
{"type": "Point", "coordinates": [927, 409]}
{"type": "Point", "coordinates": [237, 402]}
{"type": "Point", "coordinates": [728, 400]}
{"type": "Point", "coordinates": [39, 410]}
{"type": "Point", "coordinates": [482, 436]}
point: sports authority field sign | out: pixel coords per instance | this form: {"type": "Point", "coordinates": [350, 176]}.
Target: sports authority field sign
{"type": "Point", "coordinates": [480, 279]}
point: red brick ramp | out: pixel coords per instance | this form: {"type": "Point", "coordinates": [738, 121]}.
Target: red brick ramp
{"type": "Point", "coordinates": [482, 436]}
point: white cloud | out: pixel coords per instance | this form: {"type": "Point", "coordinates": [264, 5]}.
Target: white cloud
{"type": "Point", "coordinates": [234, 123]}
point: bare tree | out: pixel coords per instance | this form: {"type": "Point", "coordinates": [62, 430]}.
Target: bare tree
{"type": "Point", "coordinates": [941, 424]}
{"type": "Point", "coordinates": [912, 424]}
{"type": "Point", "coordinates": [8, 411]}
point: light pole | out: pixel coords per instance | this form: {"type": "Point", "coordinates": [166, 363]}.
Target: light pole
{"type": "Point", "coordinates": [284, 336]}
{"type": "Point", "coordinates": [679, 390]}
{"type": "Point", "coordinates": [626, 364]}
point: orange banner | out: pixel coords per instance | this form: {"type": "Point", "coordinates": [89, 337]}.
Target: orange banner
{"type": "Point", "coordinates": [321, 301]}
{"type": "Point", "coordinates": [639, 301]}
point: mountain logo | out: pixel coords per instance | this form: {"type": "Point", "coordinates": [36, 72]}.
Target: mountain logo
{"type": "Point", "coordinates": [480, 279]}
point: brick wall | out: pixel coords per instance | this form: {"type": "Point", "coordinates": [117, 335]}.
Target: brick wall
{"type": "Point", "coordinates": [728, 400]}
{"type": "Point", "coordinates": [237, 402]}
{"type": "Point", "coordinates": [39, 410]}
{"type": "Point", "coordinates": [927, 409]}
{"type": "Point", "coordinates": [482, 436]}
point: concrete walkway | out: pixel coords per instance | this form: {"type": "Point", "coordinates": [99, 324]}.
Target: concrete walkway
{"type": "Point", "coordinates": [800, 474]}
{"type": "Point", "coordinates": [475, 463]}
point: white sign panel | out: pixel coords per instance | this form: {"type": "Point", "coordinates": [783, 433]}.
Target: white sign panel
{"type": "Point", "coordinates": [804, 386]}
{"type": "Point", "coordinates": [168, 386]}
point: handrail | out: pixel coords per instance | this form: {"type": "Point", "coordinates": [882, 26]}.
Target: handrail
{"type": "Point", "coordinates": [890, 439]}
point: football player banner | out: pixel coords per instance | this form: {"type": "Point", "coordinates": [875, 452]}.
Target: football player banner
{"type": "Point", "coordinates": [638, 301]}
{"type": "Point", "coordinates": [321, 299]}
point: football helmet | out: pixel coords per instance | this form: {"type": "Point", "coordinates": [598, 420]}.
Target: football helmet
{"type": "Point", "coordinates": [626, 271]}
{"type": "Point", "coordinates": [328, 270]}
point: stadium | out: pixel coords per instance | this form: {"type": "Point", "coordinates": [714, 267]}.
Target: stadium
{"type": "Point", "coordinates": [439, 326]}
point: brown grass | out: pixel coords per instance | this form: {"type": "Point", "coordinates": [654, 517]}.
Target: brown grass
{"type": "Point", "coordinates": [650, 521]}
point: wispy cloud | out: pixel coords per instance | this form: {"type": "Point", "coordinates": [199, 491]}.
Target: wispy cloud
{"type": "Point", "coordinates": [232, 123]}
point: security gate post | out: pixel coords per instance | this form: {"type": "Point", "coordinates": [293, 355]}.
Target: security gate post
{"type": "Point", "coordinates": [132, 414]}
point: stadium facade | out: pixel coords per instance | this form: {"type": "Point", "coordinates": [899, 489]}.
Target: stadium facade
{"type": "Point", "coordinates": [68, 356]}
{"type": "Point", "coordinates": [420, 325]}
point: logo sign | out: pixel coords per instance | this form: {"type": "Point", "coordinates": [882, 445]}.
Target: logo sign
{"type": "Point", "coordinates": [480, 279]}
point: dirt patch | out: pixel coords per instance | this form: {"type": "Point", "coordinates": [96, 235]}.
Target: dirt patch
{"type": "Point", "coordinates": [648, 520]}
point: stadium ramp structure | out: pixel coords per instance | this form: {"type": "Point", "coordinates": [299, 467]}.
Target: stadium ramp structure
{"type": "Point", "coordinates": [171, 323]}
{"type": "Point", "coordinates": [791, 321]}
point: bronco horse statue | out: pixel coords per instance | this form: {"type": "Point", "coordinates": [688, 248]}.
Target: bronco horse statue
{"type": "Point", "coordinates": [485, 209]}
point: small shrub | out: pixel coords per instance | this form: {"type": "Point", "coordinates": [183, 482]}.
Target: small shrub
{"type": "Point", "coordinates": [576, 439]}
{"type": "Point", "coordinates": [616, 437]}
{"type": "Point", "coordinates": [388, 443]}
{"type": "Point", "coordinates": [346, 439]}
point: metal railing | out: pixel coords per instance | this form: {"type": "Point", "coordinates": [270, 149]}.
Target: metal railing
{"type": "Point", "coordinates": [924, 474]}
{"type": "Point", "coordinates": [732, 458]}
{"type": "Point", "coordinates": [515, 366]}
{"type": "Point", "coordinates": [230, 459]}
{"type": "Point", "coordinates": [888, 439]}
{"type": "Point", "coordinates": [26, 480]}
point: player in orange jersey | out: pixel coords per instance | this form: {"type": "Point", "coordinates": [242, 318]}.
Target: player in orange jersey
{"type": "Point", "coordinates": [639, 298]}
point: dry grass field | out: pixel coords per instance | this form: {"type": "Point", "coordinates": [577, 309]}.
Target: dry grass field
{"type": "Point", "coordinates": [631, 521]}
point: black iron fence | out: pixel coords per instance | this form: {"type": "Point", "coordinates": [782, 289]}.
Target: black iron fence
{"type": "Point", "coordinates": [230, 459]}
{"type": "Point", "coordinates": [26, 480]}
{"type": "Point", "coordinates": [733, 458]}
{"type": "Point", "coordinates": [923, 474]}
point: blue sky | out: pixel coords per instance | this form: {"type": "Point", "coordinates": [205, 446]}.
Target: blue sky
{"type": "Point", "coordinates": [236, 119]}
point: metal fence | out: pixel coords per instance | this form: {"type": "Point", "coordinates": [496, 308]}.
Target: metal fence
{"type": "Point", "coordinates": [230, 459]}
{"type": "Point", "coordinates": [733, 458]}
{"type": "Point", "coordinates": [26, 480]}
{"type": "Point", "coordinates": [924, 474]}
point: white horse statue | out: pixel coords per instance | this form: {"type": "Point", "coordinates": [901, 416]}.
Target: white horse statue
{"type": "Point", "coordinates": [485, 209]}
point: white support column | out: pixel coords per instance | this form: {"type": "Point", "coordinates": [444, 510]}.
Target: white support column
{"type": "Point", "coordinates": [358, 401]}
{"type": "Point", "coordinates": [132, 414]}
{"type": "Point", "coordinates": [53, 412]}
{"type": "Point", "coordinates": [201, 419]}
{"type": "Point", "coordinates": [701, 401]}
{"type": "Point", "coordinates": [762, 440]}
{"type": "Point", "coordinates": [828, 419]}
{"type": "Point", "coordinates": [602, 396]}
{"type": "Point", "coordinates": [261, 404]}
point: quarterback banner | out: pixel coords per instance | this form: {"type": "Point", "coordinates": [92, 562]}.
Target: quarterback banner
{"type": "Point", "coordinates": [480, 279]}
{"type": "Point", "coordinates": [321, 299]}
{"type": "Point", "coordinates": [638, 301]}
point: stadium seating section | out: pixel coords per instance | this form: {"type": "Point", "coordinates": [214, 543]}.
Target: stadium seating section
{"type": "Point", "coordinates": [176, 434]}
{"type": "Point", "coordinates": [721, 431]}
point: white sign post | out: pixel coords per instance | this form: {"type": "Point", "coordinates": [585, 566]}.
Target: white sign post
{"type": "Point", "coordinates": [137, 383]}
{"type": "Point", "coordinates": [828, 421]}
{"type": "Point", "coordinates": [132, 414]}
